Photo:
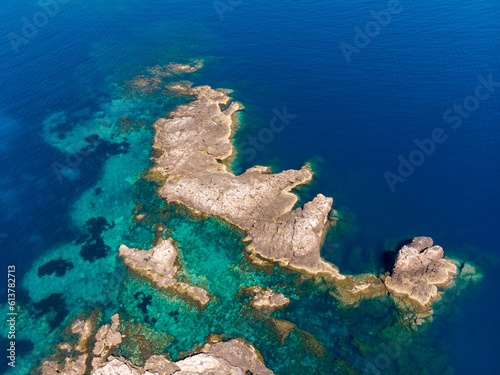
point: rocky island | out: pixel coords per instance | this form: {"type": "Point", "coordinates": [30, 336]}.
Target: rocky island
{"type": "Point", "coordinates": [192, 149]}
{"type": "Point", "coordinates": [158, 265]}
{"type": "Point", "coordinates": [265, 299]}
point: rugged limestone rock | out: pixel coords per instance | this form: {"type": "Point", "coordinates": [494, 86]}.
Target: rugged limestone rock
{"type": "Point", "coordinates": [158, 265]}
{"type": "Point", "coordinates": [191, 146]}
{"type": "Point", "coordinates": [266, 299]}
{"type": "Point", "coordinates": [238, 354]}
{"type": "Point", "coordinates": [84, 330]}
{"type": "Point", "coordinates": [233, 357]}
{"type": "Point", "coordinates": [77, 363]}
{"type": "Point", "coordinates": [120, 366]}
{"type": "Point", "coordinates": [106, 338]}
{"type": "Point", "coordinates": [159, 364]}
{"type": "Point", "coordinates": [192, 149]}
{"type": "Point", "coordinates": [419, 272]}
{"type": "Point", "coordinates": [71, 366]}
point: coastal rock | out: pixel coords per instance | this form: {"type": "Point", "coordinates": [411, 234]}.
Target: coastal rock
{"type": "Point", "coordinates": [158, 265]}
{"type": "Point", "coordinates": [75, 364]}
{"type": "Point", "coordinates": [233, 357]}
{"type": "Point", "coordinates": [266, 299]}
{"type": "Point", "coordinates": [238, 354]}
{"type": "Point", "coordinates": [106, 338]}
{"type": "Point", "coordinates": [420, 270]}
{"type": "Point", "coordinates": [120, 366]}
{"type": "Point", "coordinates": [84, 329]}
{"type": "Point", "coordinates": [71, 366]}
{"type": "Point", "coordinates": [159, 364]}
{"type": "Point", "coordinates": [191, 147]}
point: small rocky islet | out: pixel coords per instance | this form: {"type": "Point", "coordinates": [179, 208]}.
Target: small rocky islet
{"type": "Point", "coordinates": [192, 153]}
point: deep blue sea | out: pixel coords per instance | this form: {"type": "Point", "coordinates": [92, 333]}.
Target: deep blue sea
{"type": "Point", "coordinates": [353, 115]}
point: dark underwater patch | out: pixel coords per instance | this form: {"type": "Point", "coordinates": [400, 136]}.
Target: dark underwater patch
{"type": "Point", "coordinates": [54, 306]}
{"type": "Point", "coordinates": [145, 301]}
{"type": "Point", "coordinates": [58, 266]}
{"type": "Point", "coordinates": [93, 246]}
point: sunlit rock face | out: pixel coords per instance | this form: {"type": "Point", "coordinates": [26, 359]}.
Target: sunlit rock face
{"type": "Point", "coordinates": [419, 273]}
{"type": "Point", "coordinates": [191, 146]}
{"type": "Point", "coordinates": [419, 270]}
{"type": "Point", "coordinates": [90, 354]}
{"type": "Point", "coordinates": [265, 299]}
{"type": "Point", "coordinates": [158, 265]}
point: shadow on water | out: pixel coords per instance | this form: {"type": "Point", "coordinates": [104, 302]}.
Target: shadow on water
{"type": "Point", "coordinates": [388, 257]}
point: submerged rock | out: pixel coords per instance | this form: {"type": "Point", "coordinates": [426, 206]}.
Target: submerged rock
{"type": "Point", "coordinates": [158, 265]}
{"type": "Point", "coordinates": [353, 289]}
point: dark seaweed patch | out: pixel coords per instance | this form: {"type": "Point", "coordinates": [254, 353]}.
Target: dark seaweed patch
{"type": "Point", "coordinates": [93, 247]}
{"type": "Point", "coordinates": [58, 266]}
{"type": "Point", "coordinates": [54, 306]}
{"type": "Point", "coordinates": [145, 301]}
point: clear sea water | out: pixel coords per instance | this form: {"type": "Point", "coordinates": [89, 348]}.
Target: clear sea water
{"type": "Point", "coordinates": [352, 121]}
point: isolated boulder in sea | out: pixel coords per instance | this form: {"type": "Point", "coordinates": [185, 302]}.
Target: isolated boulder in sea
{"type": "Point", "coordinates": [419, 273]}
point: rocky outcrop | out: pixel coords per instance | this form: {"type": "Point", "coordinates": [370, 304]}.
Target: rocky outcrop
{"type": "Point", "coordinates": [239, 354]}
{"type": "Point", "coordinates": [76, 356]}
{"type": "Point", "coordinates": [158, 266]}
{"type": "Point", "coordinates": [191, 148]}
{"type": "Point", "coordinates": [265, 299]}
{"type": "Point", "coordinates": [90, 354]}
{"type": "Point", "coordinates": [106, 338]}
{"type": "Point", "coordinates": [420, 271]}
{"type": "Point", "coordinates": [233, 357]}
{"type": "Point", "coordinates": [71, 366]}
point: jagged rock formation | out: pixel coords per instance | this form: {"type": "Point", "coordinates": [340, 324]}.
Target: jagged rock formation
{"type": "Point", "coordinates": [265, 299]}
{"type": "Point", "coordinates": [419, 270]}
{"type": "Point", "coordinates": [77, 362]}
{"type": "Point", "coordinates": [233, 357]}
{"type": "Point", "coordinates": [158, 265]}
{"type": "Point", "coordinates": [190, 148]}
{"type": "Point", "coordinates": [419, 273]}
{"type": "Point", "coordinates": [106, 338]}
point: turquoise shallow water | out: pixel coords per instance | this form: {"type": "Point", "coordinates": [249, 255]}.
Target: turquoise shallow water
{"type": "Point", "coordinates": [352, 121]}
